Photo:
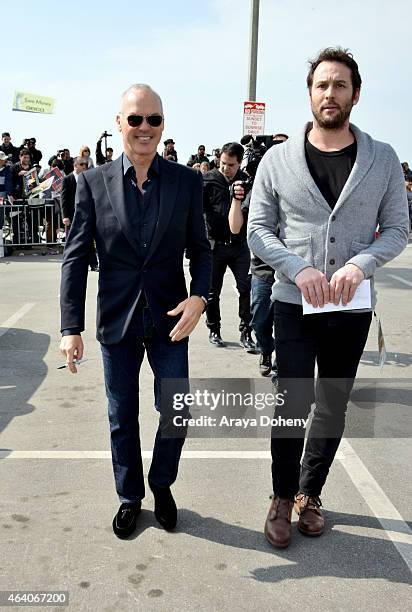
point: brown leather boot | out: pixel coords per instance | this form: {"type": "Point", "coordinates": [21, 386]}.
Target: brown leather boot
{"type": "Point", "coordinates": [277, 526]}
{"type": "Point", "coordinates": [311, 521]}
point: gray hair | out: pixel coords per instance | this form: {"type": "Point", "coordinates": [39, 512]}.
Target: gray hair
{"type": "Point", "coordinates": [141, 87]}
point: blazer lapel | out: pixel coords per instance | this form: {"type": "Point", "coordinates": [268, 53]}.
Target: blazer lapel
{"type": "Point", "coordinates": [167, 201]}
{"type": "Point", "coordinates": [113, 179]}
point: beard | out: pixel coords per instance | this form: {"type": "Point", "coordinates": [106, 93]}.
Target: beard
{"type": "Point", "coordinates": [336, 121]}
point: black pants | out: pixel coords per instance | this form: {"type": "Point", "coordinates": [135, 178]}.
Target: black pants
{"type": "Point", "coordinates": [336, 342]}
{"type": "Point", "coordinates": [237, 258]}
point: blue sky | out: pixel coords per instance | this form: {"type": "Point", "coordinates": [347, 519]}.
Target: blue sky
{"type": "Point", "coordinates": [195, 55]}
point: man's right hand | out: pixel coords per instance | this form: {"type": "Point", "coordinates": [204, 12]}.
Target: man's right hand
{"type": "Point", "coordinates": [314, 286]}
{"type": "Point", "coordinates": [72, 347]}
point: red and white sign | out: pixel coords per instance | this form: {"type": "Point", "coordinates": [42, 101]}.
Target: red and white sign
{"type": "Point", "coordinates": [254, 118]}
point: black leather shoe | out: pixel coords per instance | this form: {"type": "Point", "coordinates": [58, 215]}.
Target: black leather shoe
{"type": "Point", "coordinates": [265, 365]}
{"type": "Point", "coordinates": [124, 523]}
{"type": "Point", "coordinates": [215, 338]}
{"type": "Point", "coordinates": [165, 507]}
{"type": "Point", "coordinates": [247, 342]}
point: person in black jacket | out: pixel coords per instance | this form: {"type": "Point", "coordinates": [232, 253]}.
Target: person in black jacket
{"type": "Point", "coordinates": [229, 249]}
{"type": "Point", "coordinates": [67, 203]}
{"type": "Point", "coordinates": [103, 158]}
{"type": "Point", "coordinates": [10, 150]}
{"type": "Point", "coordinates": [35, 154]}
{"type": "Point", "coordinates": [143, 212]}
{"type": "Point", "coordinates": [199, 157]}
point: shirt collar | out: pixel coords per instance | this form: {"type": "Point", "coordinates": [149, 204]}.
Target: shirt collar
{"type": "Point", "coordinates": [154, 169]}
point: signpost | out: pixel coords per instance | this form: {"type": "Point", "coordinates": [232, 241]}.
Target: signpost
{"type": "Point", "coordinates": [254, 118]}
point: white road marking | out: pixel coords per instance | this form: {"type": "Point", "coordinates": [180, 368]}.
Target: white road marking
{"type": "Point", "coordinates": [401, 280]}
{"type": "Point", "coordinates": [4, 327]}
{"type": "Point", "coordinates": [388, 516]}
{"type": "Point", "coordinates": [7, 387]}
{"type": "Point", "coordinates": [66, 454]}
{"type": "Point", "coordinates": [392, 522]}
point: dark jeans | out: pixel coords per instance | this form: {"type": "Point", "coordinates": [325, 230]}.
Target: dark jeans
{"type": "Point", "coordinates": [122, 363]}
{"type": "Point", "coordinates": [336, 342]}
{"type": "Point", "coordinates": [237, 258]}
{"type": "Point", "coordinates": [261, 308]}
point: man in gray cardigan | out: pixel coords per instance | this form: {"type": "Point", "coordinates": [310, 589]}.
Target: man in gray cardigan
{"type": "Point", "coordinates": [326, 190]}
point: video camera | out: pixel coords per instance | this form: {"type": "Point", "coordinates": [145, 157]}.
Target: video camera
{"type": "Point", "coordinates": [255, 148]}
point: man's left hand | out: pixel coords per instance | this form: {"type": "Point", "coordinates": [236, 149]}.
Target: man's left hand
{"type": "Point", "coordinates": [191, 309]}
{"type": "Point", "coordinates": [344, 283]}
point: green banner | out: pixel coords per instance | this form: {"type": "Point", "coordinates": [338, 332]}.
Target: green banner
{"type": "Point", "coordinates": [32, 103]}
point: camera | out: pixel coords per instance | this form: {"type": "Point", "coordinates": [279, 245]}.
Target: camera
{"type": "Point", "coordinates": [255, 148]}
{"type": "Point", "coordinates": [247, 186]}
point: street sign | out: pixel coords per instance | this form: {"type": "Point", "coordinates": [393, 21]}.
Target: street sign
{"type": "Point", "coordinates": [32, 103]}
{"type": "Point", "coordinates": [254, 118]}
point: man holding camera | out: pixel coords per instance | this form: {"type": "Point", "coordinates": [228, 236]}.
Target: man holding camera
{"type": "Point", "coordinates": [107, 157]}
{"type": "Point", "coordinates": [229, 248]}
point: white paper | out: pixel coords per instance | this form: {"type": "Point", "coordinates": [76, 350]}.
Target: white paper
{"type": "Point", "coordinates": [361, 299]}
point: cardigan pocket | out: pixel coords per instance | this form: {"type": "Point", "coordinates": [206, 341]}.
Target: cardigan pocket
{"type": "Point", "coordinates": [357, 247]}
{"type": "Point", "coordinates": [301, 247]}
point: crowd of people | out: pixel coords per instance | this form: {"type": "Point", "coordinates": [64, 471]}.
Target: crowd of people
{"type": "Point", "coordinates": [226, 166]}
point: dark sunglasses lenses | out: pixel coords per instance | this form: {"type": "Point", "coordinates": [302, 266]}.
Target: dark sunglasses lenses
{"type": "Point", "coordinates": [152, 120]}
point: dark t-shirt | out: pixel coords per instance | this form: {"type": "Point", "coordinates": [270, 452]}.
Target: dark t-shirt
{"type": "Point", "coordinates": [330, 170]}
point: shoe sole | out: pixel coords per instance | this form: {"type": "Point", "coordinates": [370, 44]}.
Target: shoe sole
{"type": "Point", "coordinates": [120, 534]}
{"type": "Point", "coordinates": [165, 526]}
{"type": "Point", "coordinates": [311, 534]}
{"type": "Point", "coordinates": [252, 351]}
{"type": "Point", "coordinates": [124, 534]}
{"type": "Point", "coordinates": [276, 545]}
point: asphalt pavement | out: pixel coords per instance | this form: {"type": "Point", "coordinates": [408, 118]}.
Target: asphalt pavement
{"type": "Point", "coordinates": [57, 491]}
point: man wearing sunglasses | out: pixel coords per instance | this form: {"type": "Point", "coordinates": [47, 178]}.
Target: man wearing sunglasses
{"type": "Point", "coordinates": [143, 212]}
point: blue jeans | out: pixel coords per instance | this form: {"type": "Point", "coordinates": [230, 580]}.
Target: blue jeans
{"type": "Point", "coordinates": [121, 364]}
{"type": "Point", "coordinates": [262, 315]}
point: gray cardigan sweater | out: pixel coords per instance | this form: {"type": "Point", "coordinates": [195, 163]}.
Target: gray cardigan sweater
{"type": "Point", "coordinates": [292, 227]}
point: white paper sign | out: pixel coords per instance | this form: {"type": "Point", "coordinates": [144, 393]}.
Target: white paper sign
{"type": "Point", "coordinates": [361, 299]}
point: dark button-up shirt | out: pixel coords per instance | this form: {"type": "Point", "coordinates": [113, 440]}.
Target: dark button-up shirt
{"type": "Point", "coordinates": [142, 206]}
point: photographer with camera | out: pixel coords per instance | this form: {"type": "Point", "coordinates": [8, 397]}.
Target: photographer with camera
{"type": "Point", "coordinates": [67, 161]}
{"type": "Point", "coordinates": [229, 247]}
{"type": "Point", "coordinates": [263, 276]}
{"type": "Point", "coordinates": [107, 157]}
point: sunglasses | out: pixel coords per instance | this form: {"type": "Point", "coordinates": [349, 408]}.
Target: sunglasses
{"type": "Point", "coordinates": [152, 120]}
{"type": "Point", "coordinates": [83, 164]}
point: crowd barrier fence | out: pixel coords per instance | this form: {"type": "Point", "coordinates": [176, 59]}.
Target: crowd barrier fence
{"type": "Point", "coordinates": [32, 222]}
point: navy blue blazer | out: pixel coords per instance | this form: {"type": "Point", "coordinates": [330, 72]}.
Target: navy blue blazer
{"type": "Point", "coordinates": [101, 215]}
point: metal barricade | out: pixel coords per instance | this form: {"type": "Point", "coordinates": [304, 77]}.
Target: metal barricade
{"type": "Point", "coordinates": [32, 222]}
